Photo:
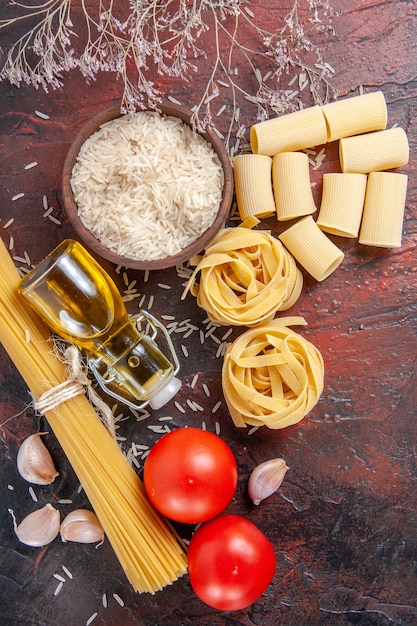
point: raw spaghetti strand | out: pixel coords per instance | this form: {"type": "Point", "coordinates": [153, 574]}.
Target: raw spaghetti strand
{"type": "Point", "coordinates": [150, 553]}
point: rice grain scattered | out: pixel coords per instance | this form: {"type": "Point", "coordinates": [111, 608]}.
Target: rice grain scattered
{"type": "Point", "coordinates": [221, 350]}
{"type": "Point", "coordinates": [118, 599]}
{"type": "Point", "coordinates": [42, 115]}
{"type": "Point", "coordinates": [54, 219]}
{"type": "Point", "coordinates": [59, 577]}
{"type": "Point", "coordinates": [159, 430]}
{"type": "Point", "coordinates": [174, 100]}
{"type": "Point", "coordinates": [191, 405]}
{"type": "Point", "coordinates": [133, 460]}
{"type": "Point", "coordinates": [67, 572]}
{"type": "Point", "coordinates": [58, 589]}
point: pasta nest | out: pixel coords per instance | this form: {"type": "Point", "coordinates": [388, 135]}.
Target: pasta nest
{"type": "Point", "coordinates": [246, 276]}
{"type": "Point", "coordinates": [272, 376]}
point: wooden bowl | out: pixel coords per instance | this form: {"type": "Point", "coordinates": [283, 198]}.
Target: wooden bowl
{"type": "Point", "coordinates": [196, 247]}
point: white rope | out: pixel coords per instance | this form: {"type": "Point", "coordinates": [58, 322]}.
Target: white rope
{"type": "Point", "coordinates": [76, 383]}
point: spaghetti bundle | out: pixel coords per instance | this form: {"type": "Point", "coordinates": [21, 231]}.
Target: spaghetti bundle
{"type": "Point", "coordinates": [272, 376]}
{"type": "Point", "coordinates": [149, 551]}
{"type": "Point", "coordinates": [246, 276]}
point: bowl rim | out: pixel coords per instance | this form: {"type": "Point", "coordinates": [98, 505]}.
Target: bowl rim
{"type": "Point", "coordinates": [196, 247]}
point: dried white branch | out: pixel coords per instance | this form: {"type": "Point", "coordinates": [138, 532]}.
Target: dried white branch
{"type": "Point", "coordinates": [165, 38]}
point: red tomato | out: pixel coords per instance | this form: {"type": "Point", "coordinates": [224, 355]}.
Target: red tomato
{"type": "Point", "coordinates": [190, 475]}
{"type": "Point", "coordinates": [230, 563]}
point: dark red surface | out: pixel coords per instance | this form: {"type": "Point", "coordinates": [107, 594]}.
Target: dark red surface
{"type": "Point", "coordinates": [344, 523]}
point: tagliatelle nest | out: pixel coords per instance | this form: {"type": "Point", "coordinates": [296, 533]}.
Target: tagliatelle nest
{"type": "Point", "coordinates": [272, 376]}
{"type": "Point", "coordinates": [246, 276]}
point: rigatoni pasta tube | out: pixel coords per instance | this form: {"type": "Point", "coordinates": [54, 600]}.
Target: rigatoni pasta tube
{"type": "Point", "coordinates": [312, 248]}
{"type": "Point", "coordinates": [342, 203]}
{"type": "Point", "coordinates": [373, 152]}
{"type": "Point", "coordinates": [383, 212]}
{"type": "Point", "coordinates": [148, 549]}
{"type": "Point", "coordinates": [272, 376]}
{"type": "Point", "coordinates": [294, 131]}
{"type": "Point", "coordinates": [246, 276]}
{"type": "Point", "coordinates": [292, 187]}
{"type": "Point", "coordinates": [354, 116]}
{"type": "Point", "coordinates": [253, 185]}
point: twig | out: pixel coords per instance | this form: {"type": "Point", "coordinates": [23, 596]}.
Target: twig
{"type": "Point", "coordinates": [160, 38]}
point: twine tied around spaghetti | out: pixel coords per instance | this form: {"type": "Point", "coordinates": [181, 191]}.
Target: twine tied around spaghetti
{"type": "Point", "coordinates": [77, 383]}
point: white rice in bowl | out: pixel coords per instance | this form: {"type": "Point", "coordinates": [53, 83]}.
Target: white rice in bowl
{"type": "Point", "coordinates": [146, 186]}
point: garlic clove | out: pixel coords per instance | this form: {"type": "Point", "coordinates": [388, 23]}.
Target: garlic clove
{"type": "Point", "coordinates": [265, 479]}
{"type": "Point", "coordinates": [34, 461]}
{"type": "Point", "coordinates": [82, 526]}
{"type": "Point", "coordinates": [38, 528]}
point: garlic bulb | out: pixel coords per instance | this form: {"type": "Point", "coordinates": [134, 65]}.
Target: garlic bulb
{"type": "Point", "coordinates": [39, 527]}
{"type": "Point", "coordinates": [265, 479]}
{"type": "Point", "coordinates": [34, 462]}
{"type": "Point", "coordinates": [82, 526]}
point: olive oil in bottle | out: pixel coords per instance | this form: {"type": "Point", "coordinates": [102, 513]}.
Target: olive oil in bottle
{"type": "Point", "coordinates": [80, 302]}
